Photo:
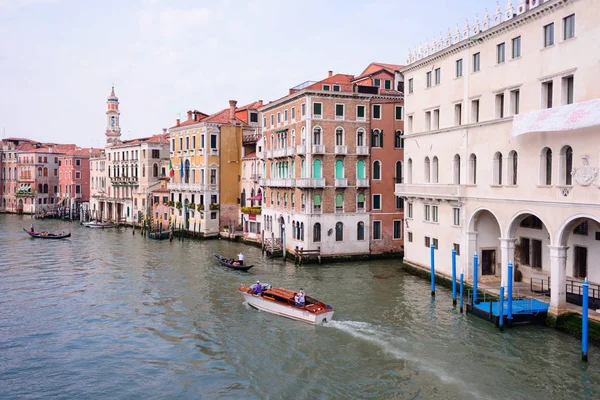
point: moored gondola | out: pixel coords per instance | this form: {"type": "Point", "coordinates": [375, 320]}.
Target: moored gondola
{"type": "Point", "coordinates": [48, 235]}
{"type": "Point", "coordinates": [230, 263]}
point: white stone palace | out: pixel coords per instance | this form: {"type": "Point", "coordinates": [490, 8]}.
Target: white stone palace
{"type": "Point", "coordinates": [502, 145]}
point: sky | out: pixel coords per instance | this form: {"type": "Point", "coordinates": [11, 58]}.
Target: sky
{"type": "Point", "coordinates": [59, 58]}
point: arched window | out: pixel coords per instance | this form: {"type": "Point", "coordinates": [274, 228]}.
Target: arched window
{"type": "Point", "coordinates": [409, 170]}
{"type": "Point", "coordinates": [293, 138]}
{"type": "Point", "coordinates": [473, 169]}
{"type": "Point", "coordinates": [272, 141]}
{"type": "Point", "coordinates": [260, 194]}
{"type": "Point", "coordinates": [339, 169]}
{"type": "Point", "coordinates": [40, 189]}
{"type": "Point", "coordinates": [316, 203]}
{"type": "Point", "coordinates": [376, 138]}
{"type": "Point", "coordinates": [376, 170]}
{"type": "Point", "coordinates": [360, 137]}
{"type": "Point", "coordinates": [317, 135]}
{"type": "Point", "coordinates": [498, 168]}
{"type": "Point", "coordinates": [301, 230]}
{"type": "Point", "coordinates": [4, 174]}
{"type": "Point", "coordinates": [435, 170]}
{"type": "Point", "coordinates": [546, 166]}
{"type": "Point", "coordinates": [513, 161]}
{"type": "Point", "coordinates": [15, 174]}
{"type": "Point", "coordinates": [317, 232]}
{"type": "Point", "coordinates": [566, 166]}
{"type": "Point", "coordinates": [303, 135]}
{"type": "Point", "coordinates": [360, 202]}
{"type": "Point", "coordinates": [399, 175]}
{"type": "Point", "coordinates": [293, 172]}
{"type": "Point", "coordinates": [45, 188]}
{"type": "Point", "coordinates": [155, 169]}
{"type": "Point", "coordinates": [360, 169]}
{"type": "Point", "coordinates": [40, 171]}
{"type": "Point", "coordinates": [294, 229]}
{"type": "Point", "coordinates": [399, 139]}
{"type": "Point", "coordinates": [144, 171]}
{"type": "Point", "coordinates": [317, 168]}
{"type": "Point", "coordinates": [339, 136]}
{"type": "Point", "coordinates": [360, 231]}
{"type": "Point", "coordinates": [339, 232]}
{"type": "Point", "coordinates": [339, 203]}
{"type": "Point", "coordinates": [302, 175]}
{"type": "Point", "coordinates": [45, 171]}
{"type": "Point", "coordinates": [243, 198]}
{"type": "Point", "coordinates": [456, 170]}
{"type": "Point", "coordinates": [427, 170]}
{"type": "Point", "coordinates": [302, 202]}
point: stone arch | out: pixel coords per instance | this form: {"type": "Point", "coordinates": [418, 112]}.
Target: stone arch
{"type": "Point", "coordinates": [518, 217]}
{"type": "Point", "coordinates": [475, 214]}
{"type": "Point", "coordinates": [485, 231]}
{"type": "Point", "coordinates": [566, 229]}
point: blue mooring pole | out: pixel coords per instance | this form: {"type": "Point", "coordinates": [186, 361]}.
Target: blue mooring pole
{"type": "Point", "coordinates": [501, 311]}
{"type": "Point", "coordinates": [510, 295]}
{"type": "Point", "coordinates": [432, 257]}
{"type": "Point", "coordinates": [475, 271]}
{"type": "Point", "coordinates": [462, 275]}
{"type": "Point", "coordinates": [584, 321]}
{"type": "Point", "coordinates": [453, 277]}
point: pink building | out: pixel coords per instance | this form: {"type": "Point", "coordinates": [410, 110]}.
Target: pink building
{"type": "Point", "coordinates": [74, 177]}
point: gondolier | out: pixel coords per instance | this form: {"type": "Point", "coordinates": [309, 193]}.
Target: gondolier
{"type": "Point", "coordinates": [241, 258]}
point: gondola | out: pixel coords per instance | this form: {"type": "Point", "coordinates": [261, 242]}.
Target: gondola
{"type": "Point", "coordinates": [48, 235]}
{"type": "Point", "coordinates": [228, 262]}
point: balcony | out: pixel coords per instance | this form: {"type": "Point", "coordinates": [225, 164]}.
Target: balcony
{"type": "Point", "coordinates": [341, 182]}
{"type": "Point", "coordinates": [360, 210]}
{"type": "Point", "coordinates": [124, 180]}
{"type": "Point", "coordinates": [301, 149]}
{"type": "Point", "coordinates": [318, 148]}
{"type": "Point", "coordinates": [277, 153]}
{"type": "Point", "coordinates": [268, 153]}
{"type": "Point", "coordinates": [362, 150]}
{"type": "Point", "coordinates": [310, 182]}
{"type": "Point", "coordinates": [291, 151]}
{"type": "Point", "coordinates": [279, 182]}
{"type": "Point", "coordinates": [317, 116]}
{"type": "Point", "coordinates": [250, 138]}
{"type": "Point", "coordinates": [263, 182]}
{"type": "Point", "coordinates": [362, 182]}
{"type": "Point", "coordinates": [212, 187]}
{"type": "Point", "coordinates": [341, 150]}
{"type": "Point", "coordinates": [317, 210]}
{"type": "Point", "coordinates": [430, 190]}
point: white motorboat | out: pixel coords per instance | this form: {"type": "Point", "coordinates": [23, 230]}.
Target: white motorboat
{"type": "Point", "coordinates": [98, 225]}
{"type": "Point", "coordinates": [280, 301]}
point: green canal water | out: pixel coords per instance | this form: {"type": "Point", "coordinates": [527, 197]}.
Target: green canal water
{"type": "Point", "coordinates": [107, 314]}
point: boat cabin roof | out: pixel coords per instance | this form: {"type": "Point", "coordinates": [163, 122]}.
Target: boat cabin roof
{"type": "Point", "coordinates": [281, 292]}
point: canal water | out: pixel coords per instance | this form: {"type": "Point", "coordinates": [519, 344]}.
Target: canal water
{"type": "Point", "coordinates": [107, 314]}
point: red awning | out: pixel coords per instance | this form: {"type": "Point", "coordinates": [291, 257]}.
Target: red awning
{"type": "Point", "coordinates": [258, 197]}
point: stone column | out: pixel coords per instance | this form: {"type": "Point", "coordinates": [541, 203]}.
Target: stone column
{"type": "Point", "coordinates": [471, 250]}
{"type": "Point", "coordinates": [558, 279]}
{"type": "Point", "coordinates": [507, 255]}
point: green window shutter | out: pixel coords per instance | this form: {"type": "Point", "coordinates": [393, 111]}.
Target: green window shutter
{"type": "Point", "coordinates": [372, 138]}
{"type": "Point", "coordinates": [398, 112]}
{"type": "Point", "coordinates": [381, 138]}
{"type": "Point", "coordinates": [339, 169]}
{"type": "Point", "coordinates": [317, 200]}
{"type": "Point", "coordinates": [339, 200]}
{"type": "Point", "coordinates": [360, 167]}
{"type": "Point", "coordinates": [360, 112]}
{"type": "Point", "coordinates": [339, 110]}
{"type": "Point", "coordinates": [361, 197]}
{"type": "Point", "coordinates": [317, 108]}
{"type": "Point", "coordinates": [376, 111]}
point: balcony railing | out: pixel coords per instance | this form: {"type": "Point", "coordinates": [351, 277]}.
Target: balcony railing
{"type": "Point", "coordinates": [362, 150]}
{"type": "Point", "coordinates": [317, 210]}
{"type": "Point", "coordinates": [360, 209]}
{"type": "Point", "coordinates": [279, 153]}
{"type": "Point", "coordinates": [279, 182]}
{"type": "Point", "coordinates": [310, 182]}
{"type": "Point", "coordinates": [290, 151]}
{"type": "Point", "coordinates": [250, 138]}
{"type": "Point", "coordinates": [341, 182]}
{"type": "Point", "coordinates": [301, 149]}
{"type": "Point", "coordinates": [318, 148]}
{"type": "Point", "coordinates": [341, 149]}
{"type": "Point", "coordinates": [317, 116]}
{"type": "Point", "coordinates": [429, 190]}
{"type": "Point", "coordinates": [362, 182]}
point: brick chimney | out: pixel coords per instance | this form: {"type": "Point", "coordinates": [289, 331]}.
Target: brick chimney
{"type": "Point", "coordinates": [260, 104]}
{"type": "Point", "coordinates": [164, 130]}
{"type": "Point", "coordinates": [329, 74]}
{"type": "Point", "coordinates": [189, 113]}
{"type": "Point", "coordinates": [178, 122]}
{"type": "Point", "coordinates": [232, 104]}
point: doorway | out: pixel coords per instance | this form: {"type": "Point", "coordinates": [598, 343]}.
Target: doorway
{"type": "Point", "coordinates": [580, 262]}
{"type": "Point", "coordinates": [488, 262]}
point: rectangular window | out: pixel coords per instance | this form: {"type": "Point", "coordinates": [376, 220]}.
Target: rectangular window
{"type": "Point", "coordinates": [458, 114]}
{"type": "Point", "coordinates": [516, 47]}
{"type": "Point", "coordinates": [278, 117]}
{"type": "Point", "coordinates": [285, 115]}
{"type": "Point", "coordinates": [568, 90]}
{"type": "Point", "coordinates": [187, 142]}
{"type": "Point", "coordinates": [399, 203]}
{"type": "Point", "coordinates": [476, 61]}
{"type": "Point", "coordinates": [293, 113]}
{"type": "Point", "coordinates": [376, 111]}
{"type": "Point", "coordinates": [303, 109]}
{"type": "Point", "coordinates": [336, 88]}
{"type": "Point", "coordinates": [376, 202]}
{"type": "Point", "coordinates": [387, 84]}
{"type": "Point", "coordinates": [427, 241]}
{"type": "Point", "coordinates": [459, 68]}
{"type": "Point", "coordinates": [456, 248]}
{"type": "Point", "coordinates": [548, 35]}
{"type": "Point", "coordinates": [399, 112]}
{"type": "Point", "coordinates": [397, 229]}
{"type": "Point", "coordinates": [410, 85]}
{"type": "Point", "coordinates": [500, 53]}
{"type": "Point", "coordinates": [569, 27]}
{"type": "Point", "coordinates": [438, 76]}
{"type": "Point", "coordinates": [317, 110]}
{"type": "Point", "coordinates": [547, 94]}
{"type": "Point", "coordinates": [581, 229]}
{"type": "Point", "coordinates": [427, 212]}
{"type": "Point", "coordinates": [213, 142]}
{"type": "Point", "coordinates": [427, 120]}
{"type": "Point", "coordinates": [428, 78]}
{"type": "Point", "coordinates": [194, 142]}
{"type": "Point", "coordinates": [180, 144]}
{"type": "Point", "coordinates": [409, 127]}
{"type": "Point", "coordinates": [78, 163]}
{"type": "Point", "coordinates": [213, 176]}
{"type": "Point", "coordinates": [360, 113]}
{"type": "Point", "coordinates": [474, 111]}
{"type": "Point", "coordinates": [272, 120]}
{"type": "Point", "coordinates": [377, 82]}
{"type": "Point", "coordinates": [339, 111]}
{"type": "Point", "coordinates": [435, 244]}
{"type": "Point", "coordinates": [435, 213]}
{"type": "Point", "coordinates": [500, 105]}
{"type": "Point", "coordinates": [77, 175]}
{"type": "Point", "coordinates": [436, 119]}
{"type": "Point", "coordinates": [326, 88]}
{"type": "Point", "coordinates": [376, 230]}
{"type": "Point", "coordinates": [410, 237]}
{"type": "Point", "coordinates": [410, 210]}
{"type": "Point", "coordinates": [536, 253]}
{"type": "Point", "coordinates": [515, 99]}
{"type": "Point", "coordinates": [456, 216]}
{"type": "Point", "coordinates": [254, 117]}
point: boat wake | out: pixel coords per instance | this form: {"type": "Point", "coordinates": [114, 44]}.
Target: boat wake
{"type": "Point", "coordinates": [400, 348]}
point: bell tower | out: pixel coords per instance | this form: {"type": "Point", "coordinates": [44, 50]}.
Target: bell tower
{"type": "Point", "coordinates": [113, 130]}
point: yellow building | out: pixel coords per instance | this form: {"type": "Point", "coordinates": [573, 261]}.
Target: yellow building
{"type": "Point", "coordinates": [205, 169]}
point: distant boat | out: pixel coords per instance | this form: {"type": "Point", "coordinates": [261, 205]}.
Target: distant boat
{"type": "Point", "coordinates": [228, 262]}
{"type": "Point", "coordinates": [99, 225]}
{"type": "Point", "coordinates": [48, 235]}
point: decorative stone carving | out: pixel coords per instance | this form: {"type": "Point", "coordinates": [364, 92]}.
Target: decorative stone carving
{"type": "Point", "coordinates": [457, 34]}
{"type": "Point", "coordinates": [486, 21]}
{"type": "Point", "coordinates": [497, 15]}
{"type": "Point", "coordinates": [448, 41]}
{"type": "Point", "coordinates": [522, 7]}
{"type": "Point", "coordinates": [585, 175]}
{"type": "Point", "coordinates": [565, 191]}
{"type": "Point", "coordinates": [466, 30]}
{"type": "Point", "coordinates": [409, 57]}
{"type": "Point", "coordinates": [509, 13]}
{"type": "Point", "coordinates": [420, 52]}
{"type": "Point", "coordinates": [475, 28]}
{"type": "Point", "coordinates": [432, 46]}
{"type": "Point", "coordinates": [535, 3]}
{"type": "Point", "coordinates": [426, 49]}
{"type": "Point", "coordinates": [440, 42]}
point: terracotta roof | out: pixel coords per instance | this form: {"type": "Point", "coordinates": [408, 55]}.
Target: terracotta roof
{"type": "Point", "coordinates": [252, 106]}
{"type": "Point", "coordinates": [344, 80]}
{"type": "Point", "coordinates": [161, 190]}
{"type": "Point", "coordinates": [222, 117]}
{"type": "Point", "coordinates": [158, 138]}
{"type": "Point", "coordinates": [376, 67]}
{"type": "Point", "coordinates": [250, 155]}
{"type": "Point", "coordinates": [13, 139]}
{"type": "Point", "coordinates": [189, 122]}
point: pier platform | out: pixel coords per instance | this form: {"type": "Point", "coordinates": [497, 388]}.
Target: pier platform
{"type": "Point", "coordinates": [523, 310]}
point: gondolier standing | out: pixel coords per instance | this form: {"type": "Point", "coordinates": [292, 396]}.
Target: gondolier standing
{"type": "Point", "coordinates": [32, 228]}
{"type": "Point", "coordinates": [241, 259]}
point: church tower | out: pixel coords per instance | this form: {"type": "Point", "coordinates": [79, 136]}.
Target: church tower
{"type": "Point", "coordinates": [113, 130]}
